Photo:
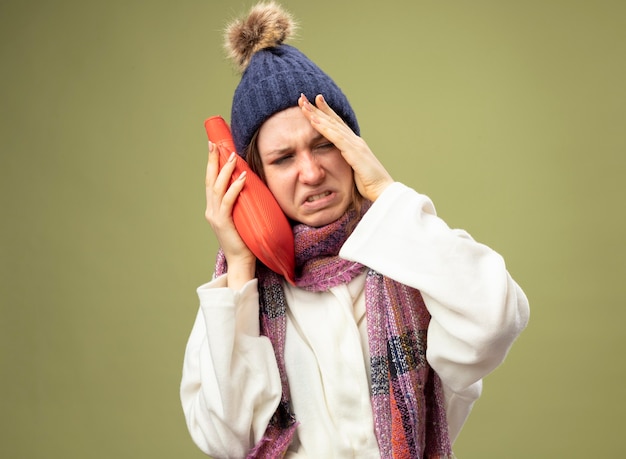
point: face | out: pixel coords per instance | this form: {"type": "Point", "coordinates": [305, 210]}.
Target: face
{"type": "Point", "coordinates": [305, 172]}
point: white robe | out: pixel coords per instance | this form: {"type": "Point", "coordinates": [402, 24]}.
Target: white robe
{"type": "Point", "coordinates": [230, 384]}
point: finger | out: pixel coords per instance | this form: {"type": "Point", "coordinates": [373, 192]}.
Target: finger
{"type": "Point", "coordinates": [224, 176]}
{"type": "Point", "coordinates": [302, 100]}
{"type": "Point", "coordinates": [311, 112]}
{"type": "Point", "coordinates": [212, 165]}
{"type": "Point", "coordinates": [231, 195]}
{"type": "Point", "coordinates": [212, 170]}
{"type": "Point", "coordinates": [322, 105]}
{"type": "Point", "coordinates": [217, 182]}
{"type": "Point", "coordinates": [220, 205]}
{"type": "Point", "coordinates": [320, 111]}
{"type": "Point", "coordinates": [328, 124]}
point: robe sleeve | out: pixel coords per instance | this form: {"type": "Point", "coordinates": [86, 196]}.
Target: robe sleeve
{"type": "Point", "coordinates": [230, 383]}
{"type": "Point", "coordinates": [477, 310]}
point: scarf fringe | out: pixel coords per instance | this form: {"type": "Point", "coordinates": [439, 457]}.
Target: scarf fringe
{"type": "Point", "coordinates": [274, 443]}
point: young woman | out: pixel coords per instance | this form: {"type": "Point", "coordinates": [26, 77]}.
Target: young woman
{"type": "Point", "coordinates": [380, 348]}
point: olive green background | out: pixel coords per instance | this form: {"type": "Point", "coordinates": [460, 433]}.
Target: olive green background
{"type": "Point", "coordinates": [510, 115]}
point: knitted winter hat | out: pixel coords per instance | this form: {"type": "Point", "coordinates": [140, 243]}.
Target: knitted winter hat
{"type": "Point", "coordinates": [274, 74]}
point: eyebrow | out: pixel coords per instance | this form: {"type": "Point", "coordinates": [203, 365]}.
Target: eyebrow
{"type": "Point", "coordinates": [278, 152]}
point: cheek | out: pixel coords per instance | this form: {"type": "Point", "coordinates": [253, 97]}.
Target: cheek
{"type": "Point", "coordinates": [280, 186]}
{"type": "Point", "coordinates": [344, 172]}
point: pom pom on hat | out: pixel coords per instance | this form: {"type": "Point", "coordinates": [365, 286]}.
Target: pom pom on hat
{"type": "Point", "coordinates": [267, 26]}
{"type": "Point", "coordinates": [273, 74]}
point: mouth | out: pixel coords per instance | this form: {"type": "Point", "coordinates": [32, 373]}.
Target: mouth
{"type": "Point", "coordinates": [318, 196]}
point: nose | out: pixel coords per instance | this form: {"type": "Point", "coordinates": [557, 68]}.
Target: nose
{"type": "Point", "coordinates": [311, 172]}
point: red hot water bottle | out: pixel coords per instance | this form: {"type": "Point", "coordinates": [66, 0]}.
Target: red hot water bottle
{"type": "Point", "coordinates": [258, 218]}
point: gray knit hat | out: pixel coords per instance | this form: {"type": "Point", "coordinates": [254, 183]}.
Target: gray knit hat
{"type": "Point", "coordinates": [274, 74]}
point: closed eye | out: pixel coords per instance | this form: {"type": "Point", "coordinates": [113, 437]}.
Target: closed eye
{"type": "Point", "coordinates": [325, 146]}
{"type": "Point", "coordinates": [282, 159]}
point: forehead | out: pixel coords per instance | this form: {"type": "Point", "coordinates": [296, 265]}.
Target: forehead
{"type": "Point", "coordinates": [285, 129]}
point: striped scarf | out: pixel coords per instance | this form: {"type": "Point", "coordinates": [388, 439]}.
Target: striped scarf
{"type": "Point", "coordinates": [406, 394]}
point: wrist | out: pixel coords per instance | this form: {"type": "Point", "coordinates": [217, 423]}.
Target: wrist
{"type": "Point", "coordinates": [240, 273]}
{"type": "Point", "coordinates": [378, 190]}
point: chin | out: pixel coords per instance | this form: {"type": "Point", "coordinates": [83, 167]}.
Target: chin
{"type": "Point", "coordinates": [321, 218]}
